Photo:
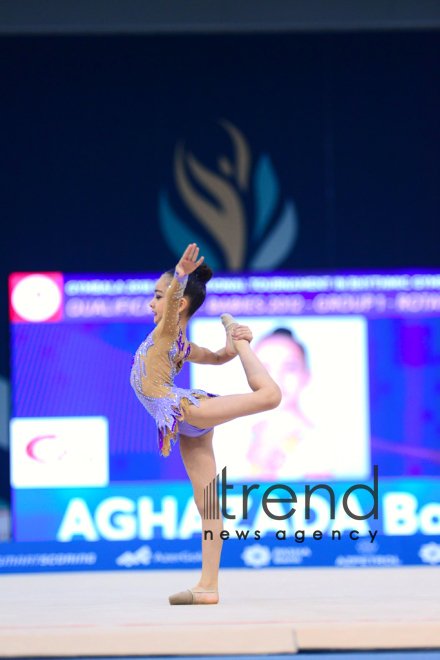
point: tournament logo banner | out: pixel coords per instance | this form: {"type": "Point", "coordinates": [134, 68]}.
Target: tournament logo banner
{"type": "Point", "coordinates": [246, 223]}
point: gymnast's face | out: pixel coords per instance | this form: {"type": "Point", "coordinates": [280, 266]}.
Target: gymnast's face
{"type": "Point", "coordinates": [157, 303]}
{"type": "Point", "coordinates": [285, 362]}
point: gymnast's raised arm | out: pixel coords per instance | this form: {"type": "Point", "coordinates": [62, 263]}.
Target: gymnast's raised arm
{"type": "Point", "coordinates": [168, 324]}
{"type": "Point", "coordinates": [201, 355]}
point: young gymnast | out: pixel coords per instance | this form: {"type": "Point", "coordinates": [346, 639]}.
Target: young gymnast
{"type": "Point", "coordinates": [192, 414]}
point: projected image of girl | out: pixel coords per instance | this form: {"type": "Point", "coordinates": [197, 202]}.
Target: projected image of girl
{"type": "Point", "coordinates": [285, 444]}
{"type": "Point", "coordinates": [193, 413]}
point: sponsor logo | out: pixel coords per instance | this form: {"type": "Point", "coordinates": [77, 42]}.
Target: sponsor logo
{"type": "Point", "coordinates": [141, 557]}
{"type": "Point", "coordinates": [368, 556]}
{"type": "Point", "coordinates": [144, 556]}
{"type": "Point", "coordinates": [258, 556]}
{"type": "Point", "coordinates": [36, 297]}
{"type": "Point", "coordinates": [345, 561]}
{"type": "Point", "coordinates": [48, 559]}
{"type": "Point", "coordinates": [429, 553]}
{"type": "Point", "coordinates": [289, 555]}
{"type": "Point", "coordinates": [50, 452]}
{"type": "Point", "coordinates": [54, 452]}
{"type": "Point", "coordinates": [365, 547]}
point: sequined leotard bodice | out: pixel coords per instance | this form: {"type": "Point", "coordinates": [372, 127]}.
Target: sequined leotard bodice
{"type": "Point", "coordinates": [156, 362]}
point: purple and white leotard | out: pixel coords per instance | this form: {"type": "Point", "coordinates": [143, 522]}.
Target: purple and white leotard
{"type": "Point", "coordinates": [156, 362]}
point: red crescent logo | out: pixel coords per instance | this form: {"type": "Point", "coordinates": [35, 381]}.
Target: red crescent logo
{"type": "Point", "coordinates": [30, 448]}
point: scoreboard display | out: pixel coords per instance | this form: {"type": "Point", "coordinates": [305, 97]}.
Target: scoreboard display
{"type": "Point", "coordinates": [356, 355]}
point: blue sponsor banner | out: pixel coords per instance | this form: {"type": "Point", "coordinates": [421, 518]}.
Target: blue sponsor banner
{"type": "Point", "coordinates": [156, 525]}
{"type": "Point", "coordinates": [53, 556]}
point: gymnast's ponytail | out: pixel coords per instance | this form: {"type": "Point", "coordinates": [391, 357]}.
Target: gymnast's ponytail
{"type": "Point", "coordinates": [195, 290]}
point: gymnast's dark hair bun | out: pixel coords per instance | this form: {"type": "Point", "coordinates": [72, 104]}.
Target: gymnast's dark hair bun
{"type": "Point", "coordinates": [195, 290]}
{"type": "Point", "coordinates": [203, 273]}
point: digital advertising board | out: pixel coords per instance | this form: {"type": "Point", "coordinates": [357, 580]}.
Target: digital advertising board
{"type": "Point", "coordinates": [356, 355]}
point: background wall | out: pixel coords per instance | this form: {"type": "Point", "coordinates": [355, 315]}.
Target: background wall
{"type": "Point", "coordinates": [349, 123]}
{"type": "Point", "coordinates": [137, 16]}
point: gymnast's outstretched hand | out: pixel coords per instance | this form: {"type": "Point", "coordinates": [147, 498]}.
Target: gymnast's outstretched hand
{"type": "Point", "coordinates": [188, 262]}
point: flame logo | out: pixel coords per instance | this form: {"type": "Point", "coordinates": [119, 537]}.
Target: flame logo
{"type": "Point", "coordinates": [216, 199]}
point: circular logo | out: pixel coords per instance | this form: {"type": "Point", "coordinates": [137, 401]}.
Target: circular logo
{"type": "Point", "coordinates": [364, 547]}
{"type": "Point", "coordinates": [256, 555]}
{"type": "Point", "coordinates": [36, 298]}
{"type": "Point", "coordinates": [429, 553]}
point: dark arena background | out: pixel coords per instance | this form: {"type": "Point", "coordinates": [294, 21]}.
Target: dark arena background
{"type": "Point", "coordinates": [298, 144]}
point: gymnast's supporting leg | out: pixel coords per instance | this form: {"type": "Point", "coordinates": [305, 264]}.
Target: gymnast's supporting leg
{"type": "Point", "coordinates": [199, 461]}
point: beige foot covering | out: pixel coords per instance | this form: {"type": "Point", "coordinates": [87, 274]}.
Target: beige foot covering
{"type": "Point", "coordinates": [187, 597]}
{"type": "Point", "coordinates": [229, 322]}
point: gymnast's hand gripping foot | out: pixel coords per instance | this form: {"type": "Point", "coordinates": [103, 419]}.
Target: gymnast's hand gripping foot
{"type": "Point", "coordinates": [192, 414]}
